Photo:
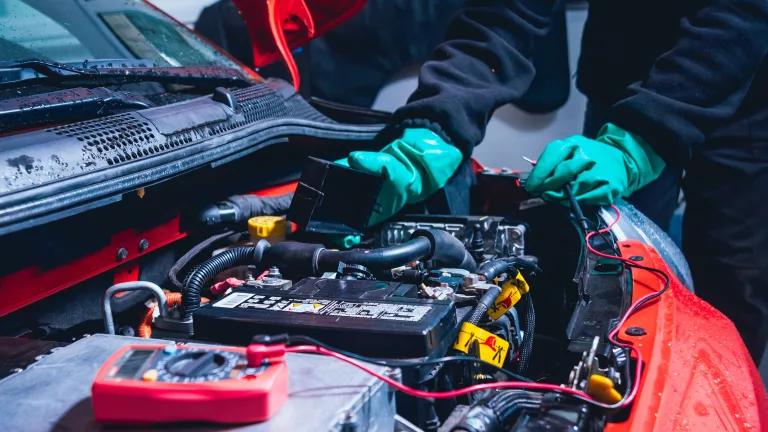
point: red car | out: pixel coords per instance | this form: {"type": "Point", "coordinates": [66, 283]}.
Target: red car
{"type": "Point", "coordinates": [136, 151]}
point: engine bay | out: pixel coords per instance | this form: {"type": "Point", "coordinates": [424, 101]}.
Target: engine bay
{"type": "Point", "coordinates": [506, 295]}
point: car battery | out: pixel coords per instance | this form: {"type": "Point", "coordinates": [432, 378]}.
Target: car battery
{"type": "Point", "coordinates": [324, 394]}
{"type": "Point", "coordinates": [375, 318]}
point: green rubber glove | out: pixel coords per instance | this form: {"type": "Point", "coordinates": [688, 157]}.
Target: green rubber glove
{"type": "Point", "coordinates": [614, 165]}
{"type": "Point", "coordinates": [414, 167]}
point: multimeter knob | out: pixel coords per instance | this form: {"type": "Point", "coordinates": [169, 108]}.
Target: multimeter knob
{"type": "Point", "coordinates": [195, 364]}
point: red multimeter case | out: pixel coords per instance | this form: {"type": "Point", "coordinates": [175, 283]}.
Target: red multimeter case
{"type": "Point", "coordinates": [168, 383]}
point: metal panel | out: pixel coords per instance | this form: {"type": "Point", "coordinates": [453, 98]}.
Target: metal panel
{"type": "Point", "coordinates": [324, 394]}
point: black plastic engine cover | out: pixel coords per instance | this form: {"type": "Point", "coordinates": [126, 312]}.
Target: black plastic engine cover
{"type": "Point", "coordinates": [374, 318]}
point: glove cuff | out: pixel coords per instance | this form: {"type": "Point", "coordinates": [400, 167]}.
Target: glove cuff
{"type": "Point", "coordinates": [642, 162]}
{"type": "Point", "coordinates": [397, 130]}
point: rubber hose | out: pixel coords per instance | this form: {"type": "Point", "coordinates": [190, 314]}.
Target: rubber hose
{"type": "Point", "coordinates": [529, 327]}
{"type": "Point", "coordinates": [496, 413]}
{"type": "Point", "coordinates": [204, 273]}
{"type": "Point", "coordinates": [376, 259]}
{"type": "Point", "coordinates": [509, 403]}
{"type": "Point", "coordinates": [486, 302]}
{"type": "Point", "coordinates": [178, 266]}
{"type": "Point", "coordinates": [492, 269]}
{"type": "Point", "coordinates": [447, 250]}
{"type": "Point", "coordinates": [443, 249]}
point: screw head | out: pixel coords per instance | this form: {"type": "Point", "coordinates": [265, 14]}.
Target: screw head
{"type": "Point", "coordinates": [122, 254]}
{"type": "Point", "coordinates": [635, 331]}
{"type": "Point", "coordinates": [636, 258]}
{"type": "Point", "coordinates": [143, 245]}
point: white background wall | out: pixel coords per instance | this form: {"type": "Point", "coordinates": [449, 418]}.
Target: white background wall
{"type": "Point", "coordinates": [511, 133]}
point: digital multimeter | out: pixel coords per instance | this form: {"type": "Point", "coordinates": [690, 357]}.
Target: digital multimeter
{"type": "Point", "coordinates": [170, 383]}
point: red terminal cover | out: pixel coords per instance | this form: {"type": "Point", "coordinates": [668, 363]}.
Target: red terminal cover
{"type": "Point", "coordinates": [276, 27]}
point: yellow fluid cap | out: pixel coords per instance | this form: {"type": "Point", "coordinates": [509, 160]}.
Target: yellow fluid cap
{"type": "Point", "coordinates": [267, 227]}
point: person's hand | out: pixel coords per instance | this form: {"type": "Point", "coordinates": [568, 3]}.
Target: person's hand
{"type": "Point", "coordinates": [600, 171]}
{"type": "Point", "coordinates": [413, 166]}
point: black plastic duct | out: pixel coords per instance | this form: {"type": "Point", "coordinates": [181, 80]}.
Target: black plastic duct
{"type": "Point", "coordinates": [203, 274]}
{"type": "Point", "coordinates": [438, 246]}
{"type": "Point", "coordinates": [496, 413]}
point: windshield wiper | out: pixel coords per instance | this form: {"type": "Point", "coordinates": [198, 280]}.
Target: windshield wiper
{"type": "Point", "coordinates": [36, 70]}
{"type": "Point", "coordinates": [68, 104]}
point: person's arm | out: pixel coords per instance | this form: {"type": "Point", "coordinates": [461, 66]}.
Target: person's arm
{"type": "Point", "coordinates": [701, 82]}
{"type": "Point", "coordinates": [484, 63]}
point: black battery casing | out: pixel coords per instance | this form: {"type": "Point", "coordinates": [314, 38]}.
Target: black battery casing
{"type": "Point", "coordinates": [375, 318]}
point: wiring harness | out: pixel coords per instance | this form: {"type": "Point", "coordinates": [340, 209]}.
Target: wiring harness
{"type": "Point", "coordinates": [301, 344]}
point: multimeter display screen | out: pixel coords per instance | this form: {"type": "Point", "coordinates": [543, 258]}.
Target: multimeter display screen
{"type": "Point", "coordinates": [133, 363]}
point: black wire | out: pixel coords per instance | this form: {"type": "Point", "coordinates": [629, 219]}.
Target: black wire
{"type": "Point", "coordinates": [414, 362]}
{"type": "Point", "coordinates": [184, 260]}
{"type": "Point", "coordinates": [655, 295]}
{"type": "Point", "coordinates": [637, 306]}
{"type": "Point", "coordinates": [628, 371]}
{"type": "Point", "coordinates": [576, 208]}
{"type": "Point", "coordinates": [529, 324]}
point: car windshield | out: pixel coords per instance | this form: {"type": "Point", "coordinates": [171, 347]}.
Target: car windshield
{"type": "Point", "coordinates": [72, 31]}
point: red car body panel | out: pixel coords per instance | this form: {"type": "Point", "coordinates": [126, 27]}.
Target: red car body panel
{"type": "Point", "coordinates": [299, 20]}
{"type": "Point", "coordinates": [31, 284]}
{"type": "Point", "coordinates": [698, 375]}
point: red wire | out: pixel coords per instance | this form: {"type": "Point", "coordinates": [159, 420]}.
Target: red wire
{"type": "Point", "coordinates": [612, 336]}
{"type": "Point", "coordinates": [314, 349]}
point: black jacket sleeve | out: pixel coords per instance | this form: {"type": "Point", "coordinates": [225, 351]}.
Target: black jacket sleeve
{"type": "Point", "coordinates": [701, 82]}
{"type": "Point", "coordinates": [484, 64]}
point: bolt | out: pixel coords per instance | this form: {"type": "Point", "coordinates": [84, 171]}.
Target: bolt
{"type": "Point", "coordinates": [515, 234]}
{"type": "Point", "coordinates": [122, 254]}
{"type": "Point", "coordinates": [143, 245]}
{"type": "Point", "coordinates": [635, 331]}
{"type": "Point", "coordinates": [636, 258]}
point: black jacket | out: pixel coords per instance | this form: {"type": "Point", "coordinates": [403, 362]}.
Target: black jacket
{"type": "Point", "coordinates": [684, 74]}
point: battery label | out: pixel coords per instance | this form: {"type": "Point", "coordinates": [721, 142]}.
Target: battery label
{"type": "Point", "coordinates": [232, 300]}
{"type": "Point", "coordinates": [387, 311]}
{"type": "Point", "coordinates": [353, 309]}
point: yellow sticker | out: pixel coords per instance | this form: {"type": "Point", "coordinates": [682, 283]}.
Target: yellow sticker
{"type": "Point", "coordinates": [511, 291]}
{"type": "Point", "coordinates": [491, 348]}
{"type": "Point", "coordinates": [303, 307]}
